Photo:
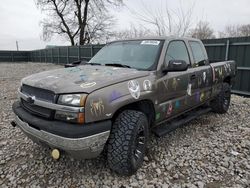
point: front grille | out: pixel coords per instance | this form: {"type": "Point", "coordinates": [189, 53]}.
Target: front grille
{"type": "Point", "coordinates": [41, 94]}
{"type": "Point", "coordinates": [37, 110]}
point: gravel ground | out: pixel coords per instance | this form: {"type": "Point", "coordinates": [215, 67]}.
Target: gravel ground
{"type": "Point", "coordinates": [211, 151]}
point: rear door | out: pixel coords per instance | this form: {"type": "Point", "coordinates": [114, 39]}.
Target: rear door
{"type": "Point", "coordinates": [203, 73]}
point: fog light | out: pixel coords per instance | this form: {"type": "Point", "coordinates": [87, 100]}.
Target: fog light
{"type": "Point", "coordinates": [55, 154]}
{"type": "Point", "coordinates": [70, 117]}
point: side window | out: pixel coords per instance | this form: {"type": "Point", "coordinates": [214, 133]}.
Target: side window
{"type": "Point", "coordinates": [177, 50]}
{"type": "Point", "coordinates": [198, 53]}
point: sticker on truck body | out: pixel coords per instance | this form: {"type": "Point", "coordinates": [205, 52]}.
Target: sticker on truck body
{"type": "Point", "coordinates": [87, 84]}
{"type": "Point", "coordinates": [150, 42]}
{"type": "Point", "coordinates": [189, 89]}
{"type": "Point", "coordinates": [204, 76]}
{"type": "Point", "coordinates": [134, 88]}
{"type": "Point", "coordinates": [174, 84]}
{"type": "Point", "coordinates": [97, 107]}
{"type": "Point", "coordinates": [165, 82]}
{"type": "Point", "coordinates": [147, 85]}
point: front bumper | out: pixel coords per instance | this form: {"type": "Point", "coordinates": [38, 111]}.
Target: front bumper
{"type": "Point", "coordinates": [88, 146]}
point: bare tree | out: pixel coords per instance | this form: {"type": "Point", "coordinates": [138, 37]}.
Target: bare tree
{"type": "Point", "coordinates": [236, 31]}
{"type": "Point", "coordinates": [133, 32]}
{"type": "Point", "coordinates": [81, 20]}
{"type": "Point", "coordinates": [245, 30]}
{"type": "Point", "coordinates": [202, 31]}
{"type": "Point", "coordinates": [166, 21]}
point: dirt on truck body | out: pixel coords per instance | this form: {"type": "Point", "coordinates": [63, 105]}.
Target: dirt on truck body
{"type": "Point", "coordinates": [129, 89]}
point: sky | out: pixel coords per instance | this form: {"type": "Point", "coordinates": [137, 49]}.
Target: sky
{"type": "Point", "coordinates": [20, 19]}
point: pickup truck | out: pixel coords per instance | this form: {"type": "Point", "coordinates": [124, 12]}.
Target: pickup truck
{"type": "Point", "coordinates": [128, 90]}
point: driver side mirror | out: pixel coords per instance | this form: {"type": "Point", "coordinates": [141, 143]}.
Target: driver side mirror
{"type": "Point", "coordinates": [175, 66]}
{"type": "Point", "coordinates": [76, 63]}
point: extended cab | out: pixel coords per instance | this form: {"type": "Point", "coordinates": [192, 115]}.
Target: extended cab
{"type": "Point", "coordinates": [127, 90]}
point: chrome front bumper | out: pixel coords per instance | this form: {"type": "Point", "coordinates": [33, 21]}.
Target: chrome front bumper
{"type": "Point", "coordinates": [84, 148]}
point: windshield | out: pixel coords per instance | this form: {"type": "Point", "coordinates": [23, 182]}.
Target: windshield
{"type": "Point", "coordinates": [138, 54]}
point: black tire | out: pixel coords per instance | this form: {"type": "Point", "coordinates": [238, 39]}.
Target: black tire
{"type": "Point", "coordinates": [222, 101]}
{"type": "Point", "coordinates": [128, 142]}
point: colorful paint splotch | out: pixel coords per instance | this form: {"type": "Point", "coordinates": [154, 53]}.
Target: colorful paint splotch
{"type": "Point", "coordinates": [158, 116]}
{"type": "Point", "coordinates": [134, 88]}
{"type": "Point", "coordinates": [108, 72]}
{"type": "Point", "coordinates": [197, 96]}
{"type": "Point", "coordinates": [73, 69]}
{"type": "Point", "coordinates": [83, 77]}
{"type": "Point", "coordinates": [114, 95]}
{"type": "Point", "coordinates": [177, 104]}
{"type": "Point", "coordinates": [97, 107]}
{"type": "Point", "coordinates": [202, 97]}
{"type": "Point", "coordinates": [220, 72]}
{"type": "Point", "coordinates": [170, 109]}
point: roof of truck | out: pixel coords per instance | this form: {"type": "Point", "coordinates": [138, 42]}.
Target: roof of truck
{"type": "Point", "coordinates": [159, 38]}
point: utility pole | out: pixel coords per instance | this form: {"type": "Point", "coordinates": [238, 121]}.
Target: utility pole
{"type": "Point", "coordinates": [17, 45]}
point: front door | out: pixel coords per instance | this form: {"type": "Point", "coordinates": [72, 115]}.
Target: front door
{"type": "Point", "coordinates": [173, 87]}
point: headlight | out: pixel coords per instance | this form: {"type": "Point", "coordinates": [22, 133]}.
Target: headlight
{"type": "Point", "coordinates": [77, 100]}
{"type": "Point", "coordinates": [72, 99]}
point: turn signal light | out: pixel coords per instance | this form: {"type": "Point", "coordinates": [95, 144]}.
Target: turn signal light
{"type": "Point", "coordinates": [80, 118]}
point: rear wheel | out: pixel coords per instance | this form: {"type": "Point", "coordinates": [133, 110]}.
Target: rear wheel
{"type": "Point", "coordinates": [128, 142]}
{"type": "Point", "coordinates": [222, 101]}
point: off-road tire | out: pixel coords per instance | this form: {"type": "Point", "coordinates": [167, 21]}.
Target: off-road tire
{"type": "Point", "coordinates": [129, 131]}
{"type": "Point", "coordinates": [222, 101]}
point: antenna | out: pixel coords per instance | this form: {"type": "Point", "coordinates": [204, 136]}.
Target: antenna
{"type": "Point", "coordinates": [17, 45]}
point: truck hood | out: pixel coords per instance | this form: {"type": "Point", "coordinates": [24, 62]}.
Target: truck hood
{"type": "Point", "coordinates": [85, 78]}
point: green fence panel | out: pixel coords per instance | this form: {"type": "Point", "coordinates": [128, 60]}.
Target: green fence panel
{"type": "Point", "coordinates": [237, 49]}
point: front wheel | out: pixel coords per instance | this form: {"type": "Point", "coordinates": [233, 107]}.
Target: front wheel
{"type": "Point", "coordinates": [128, 142]}
{"type": "Point", "coordinates": [222, 101]}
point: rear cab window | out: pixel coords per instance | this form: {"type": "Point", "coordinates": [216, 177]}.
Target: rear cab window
{"type": "Point", "coordinates": [199, 55]}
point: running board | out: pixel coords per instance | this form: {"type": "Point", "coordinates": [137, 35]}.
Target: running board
{"type": "Point", "coordinates": [165, 128]}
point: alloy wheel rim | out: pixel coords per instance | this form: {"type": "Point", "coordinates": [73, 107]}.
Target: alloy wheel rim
{"type": "Point", "coordinates": [138, 152]}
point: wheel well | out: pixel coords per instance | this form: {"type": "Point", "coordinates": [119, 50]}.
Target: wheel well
{"type": "Point", "coordinates": [227, 80]}
{"type": "Point", "coordinates": [145, 106]}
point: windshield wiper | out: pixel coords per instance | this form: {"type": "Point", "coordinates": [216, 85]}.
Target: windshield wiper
{"type": "Point", "coordinates": [93, 63]}
{"type": "Point", "coordinates": [117, 65]}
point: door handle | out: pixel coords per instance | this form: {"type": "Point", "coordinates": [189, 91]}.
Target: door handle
{"type": "Point", "coordinates": [193, 77]}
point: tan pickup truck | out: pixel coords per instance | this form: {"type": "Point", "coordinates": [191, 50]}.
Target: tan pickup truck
{"type": "Point", "coordinates": [129, 89]}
